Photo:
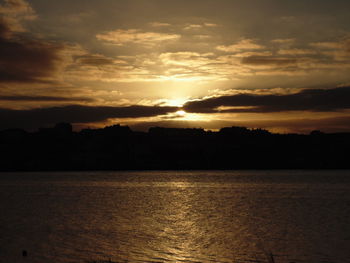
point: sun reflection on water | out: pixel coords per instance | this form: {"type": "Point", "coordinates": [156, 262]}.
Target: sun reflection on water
{"type": "Point", "coordinates": [182, 227]}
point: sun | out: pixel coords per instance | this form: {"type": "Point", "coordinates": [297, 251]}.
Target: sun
{"type": "Point", "coordinates": [181, 113]}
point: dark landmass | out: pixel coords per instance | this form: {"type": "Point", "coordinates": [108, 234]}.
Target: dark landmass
{"type": "Point", "coordinates": [119, 148]}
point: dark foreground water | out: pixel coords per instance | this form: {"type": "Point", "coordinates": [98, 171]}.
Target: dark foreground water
{"type": "Point", "coordinates": [217, 216]}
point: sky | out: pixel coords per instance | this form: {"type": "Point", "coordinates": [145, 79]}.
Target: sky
{"type": "Point", "coordinates": [278, 65]}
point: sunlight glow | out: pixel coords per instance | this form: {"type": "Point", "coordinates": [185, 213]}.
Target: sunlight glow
{"type": "Point", "coordinates": [185, 116]}
{"type": "Point", "coordinates": [178, 102]}
{"type": "Point", "coordinates": [195, 117]}
{"type": "Point", "coordinates": [181, 113]}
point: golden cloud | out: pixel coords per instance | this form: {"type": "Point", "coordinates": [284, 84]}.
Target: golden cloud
{"type": "Point", "coordinates": [159, 24]}
{"type": "Point", "coordinates": [245, 44]}
{"type": "Point", "coordinates": [296, 52]}
{"type": "Point", "coordinates": [136, 36]}
{"type": "Point", "coordinates": [211, 25]}
{"type": "Point", "coordinates": [193, 26]}
{"type": "Point", "coordinates": [284, 41]}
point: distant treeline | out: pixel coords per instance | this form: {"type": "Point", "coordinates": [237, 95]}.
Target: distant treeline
{"type": "Point", "coordinates": [119, 148]}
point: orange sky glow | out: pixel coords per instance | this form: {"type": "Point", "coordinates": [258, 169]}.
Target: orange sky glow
{"type": "Point", "coordinates": [283, 66]}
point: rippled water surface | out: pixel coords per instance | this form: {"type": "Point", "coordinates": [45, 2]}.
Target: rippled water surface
{"type": "Point", "coordinates": [216, 216]}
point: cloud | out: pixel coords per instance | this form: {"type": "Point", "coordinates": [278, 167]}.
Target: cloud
{"type": "Point", "coordinates": [262, 61]}
{"type": "Point", "coordinates": [190, 59]}
{"type": "Point", "coordinates": [193, 66]}
{"type": "Point", "coordinates": [5, 30]}
{"type": "Point", "coordinates": [15, 12]}
{"type": "Point", "coordinates": [159, 24]}
{"type": "Point", "coordinates": [23, 57]}
{"type": "Point", "coordinates": [296, 52]}
{"type": "Point", "coordinates": [34, 118]}
{"type": "Point", "coordinates": [284, 41]}
{"type": "Point", "coordinates": [94, 60]}
{"type": "Point", "coordinates": [201, 66]}
{"type": "Point", "coordinates": [245, 44]}
{"type": "Point", "coordinates": [338, 50]}
{"type": "Point", "coordinates": [97, 67]}
{"type": "Point", "coordinates": [27, 60]}
{"type": "Point", "coordinates": [136, 36]}
{"type": "Point", "coordinates": [15, 7]}
{"type": "Point", "coordinates": [193, 26]}
{"type": "Point", "coordinates": [327, 45]}
{"type": "Point", "coordinates": [201, 37]}
{"type": "Point", "coordinates": [188, 64]}
{"type": "Point", "coordinates": [150, 67]}
{"type": "Point", "coordinates": [305, 100]}
{"type": "Point", "coordinates": [211, 25]}
{"type": "Point", "coordinates": [253, 54]}
{"type": "Point", "coordinates": [336, 46]}
{"type": "Point", "coordinates": [43, 98]}
{"type": "Point", "coordinates": [290, 72]}
{"type": "Point", "coordinates": [199, 26]}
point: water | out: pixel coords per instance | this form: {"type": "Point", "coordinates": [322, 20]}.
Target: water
{"type": "Point", "coordinates": [216, 216]}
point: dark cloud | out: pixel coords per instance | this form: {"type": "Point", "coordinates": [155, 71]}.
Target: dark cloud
{"type": "Point", "coordinates": [306, 100]}
{"type": "Point", "coordinates": [4, 29]}
{"type": "Point", "coordinates": [34, 118]}
{"type": "Point", "coordinates": [26, 60]}
{"type": "Point", "coordinates": [43, 98]}
{"type": "Point", "coordinates": [274, 61]}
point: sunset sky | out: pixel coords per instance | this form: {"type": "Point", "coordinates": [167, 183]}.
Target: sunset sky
{"type": "Point", "coordinates": [279, 65]}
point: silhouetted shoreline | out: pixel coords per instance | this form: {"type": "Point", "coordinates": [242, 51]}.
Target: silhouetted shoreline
{"type": "Point", "coordinates": [119, 148]}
